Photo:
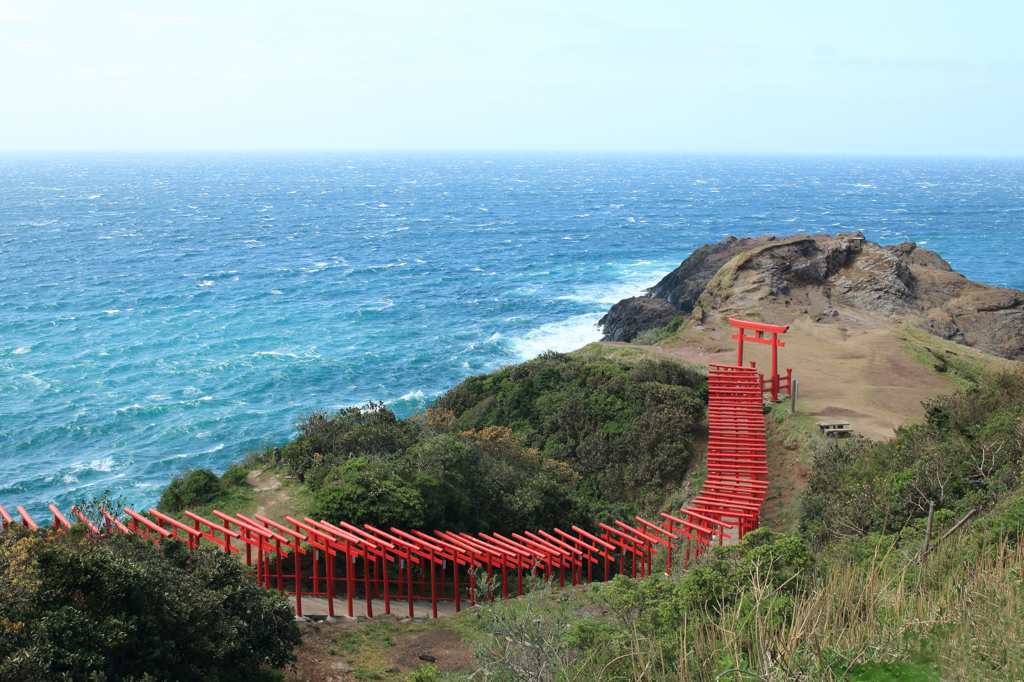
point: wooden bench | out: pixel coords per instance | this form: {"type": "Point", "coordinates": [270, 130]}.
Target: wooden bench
{"type": "Point", "coordinates": [835, 428]}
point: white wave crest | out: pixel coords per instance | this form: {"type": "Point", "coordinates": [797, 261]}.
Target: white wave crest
{"type": "Point", "coordinates": [273, 354]}
{"type": "Point", "coordinates": [633, 280]}
{"type": "Point", "coordinates": [102, 465]}
{"type": "Point", "coordinates": [565, 336]}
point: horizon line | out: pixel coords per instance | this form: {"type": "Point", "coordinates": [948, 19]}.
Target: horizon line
{"type": "Point", "coordinates": [522, 152]}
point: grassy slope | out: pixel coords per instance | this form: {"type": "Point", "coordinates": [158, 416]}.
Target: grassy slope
{"type": "Point", "coordinates": [889, 585]}
{"type": "Point", "coordinates": [875, 614]}
{"type": "Point", "coordinates": [629, 355]}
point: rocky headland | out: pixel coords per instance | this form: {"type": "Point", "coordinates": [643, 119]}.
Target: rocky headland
{"type": "Point", "coordinates": [842, 280]}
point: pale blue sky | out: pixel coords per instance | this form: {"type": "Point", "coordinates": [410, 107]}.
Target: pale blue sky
{"type": "Point", "coordinates": [931, 78]}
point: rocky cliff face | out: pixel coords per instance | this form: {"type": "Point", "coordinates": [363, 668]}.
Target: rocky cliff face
{"type": "Point", "coordinates": [830, 278]}
{"type": "Point", "coordinates": [630, 316]}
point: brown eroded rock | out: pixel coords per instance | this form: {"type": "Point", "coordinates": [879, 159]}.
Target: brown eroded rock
{"type": "Point", "coordinates": [844, 278]}
{"type": "Point", "coordinates": [630, 316]}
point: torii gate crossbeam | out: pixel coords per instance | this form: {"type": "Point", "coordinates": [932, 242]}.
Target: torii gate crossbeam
{"type": "Point", "coordinates": [760, 329]}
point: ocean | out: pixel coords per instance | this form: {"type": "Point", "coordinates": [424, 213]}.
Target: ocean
{"type": "Point", "coordinates": [162, 311]}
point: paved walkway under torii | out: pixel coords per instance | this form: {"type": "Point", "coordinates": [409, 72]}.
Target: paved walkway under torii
{"type": "Point", "coordinates": [318, 607]}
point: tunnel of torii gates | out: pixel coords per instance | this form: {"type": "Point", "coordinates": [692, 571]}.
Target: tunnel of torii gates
{"type": "Point", "coordinates": [337, 560]}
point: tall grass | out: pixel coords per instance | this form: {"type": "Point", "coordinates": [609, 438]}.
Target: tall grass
{"type": "Point", "coordinates": [957, 615]}
{"type": "Point", "coordinates": [961, 611]}
{"type": "Point", "coordinates": [649, 337]}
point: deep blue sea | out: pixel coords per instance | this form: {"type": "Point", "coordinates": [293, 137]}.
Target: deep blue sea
{"type": "Point", "coordinates": [173, 310]}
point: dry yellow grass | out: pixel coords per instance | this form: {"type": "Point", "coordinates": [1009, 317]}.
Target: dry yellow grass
{"type": "Point", "coordinates": [874, 376]}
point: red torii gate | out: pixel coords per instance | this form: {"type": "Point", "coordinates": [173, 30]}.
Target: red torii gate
{"type": "Point", "coordinates": [760, 329]}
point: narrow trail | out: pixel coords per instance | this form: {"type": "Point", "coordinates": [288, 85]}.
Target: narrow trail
{"type": "Point", "coordinates": [273, 499]}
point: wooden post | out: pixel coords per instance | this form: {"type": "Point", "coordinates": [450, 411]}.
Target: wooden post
{"type": "Point", "coordinates": [329, 567]}
{"type": "Point", "coordinates": [775, 366]}
{"type": "Point", "coordinates": [433, 585]}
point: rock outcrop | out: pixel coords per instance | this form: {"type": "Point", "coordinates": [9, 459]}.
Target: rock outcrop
{"type": "Point", "coordinates": [630, 316]}
{"type": "Point", "coordinates": [830, 278]}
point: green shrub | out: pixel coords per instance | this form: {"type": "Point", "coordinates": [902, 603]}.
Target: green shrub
{"type": "Point", "coordinates": [372, 430]}
{"type": "Point", "coordinates": [190, 488]}
{"type": "Point", "coordinates": [369, 492]}
{"type": "Point", "coordinates": [299, 457]}
{"type": "Point", "coordinates": [1006, 522]}
{"type": "Point", "coordinates": [659, 607]}
{"type": "Point", "coordinates": [626, 428]}
{"type": "Point", "coordinates": [258, 457]}
{"type": "Point", "coordinates": [424, 673]}
{"type": "Point", "coordinates": [968, 455]}
{"type": "Point", "coordinates": [235, 475]}
{"type": "Point", "coordinates": [554, 441]}
{"type": "Point", "coordinates": [120, 608]}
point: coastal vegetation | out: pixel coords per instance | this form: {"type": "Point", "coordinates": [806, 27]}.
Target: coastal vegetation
{"type": "Point", "coordinates": [653, 336]}
{"type": "Point", "coordinates": [770, 610]}
{"type": "Point", "coordinates": [966, 456]}
{"type": "Point", "coordinates": [869, 588]}
{"type": "Point", "coordinates": [905, 562]}
{"type": "Point", "coordinates": [880, 580]}
{"type": "Point", "coordinates": [560, 440]}
{"type": "Point", "coordinates": [118, 607]}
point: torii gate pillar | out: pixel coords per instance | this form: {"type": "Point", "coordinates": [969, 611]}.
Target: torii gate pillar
{"type": "Point", "coordinates": [760, 329]}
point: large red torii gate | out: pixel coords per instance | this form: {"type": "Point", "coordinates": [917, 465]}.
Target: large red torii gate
{"type": "Point", "coordinates": [760, 329]}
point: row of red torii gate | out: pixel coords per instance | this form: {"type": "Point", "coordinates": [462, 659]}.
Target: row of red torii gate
{"type": "Point", "coordinates": [329, 560]}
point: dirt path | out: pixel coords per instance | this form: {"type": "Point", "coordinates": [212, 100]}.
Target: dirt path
{"type": "Point", "coordinates": [385, 648]}
{"type": "Point", "coordinates": [273, 500]}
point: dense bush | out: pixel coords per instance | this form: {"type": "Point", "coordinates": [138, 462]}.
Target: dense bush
{"type": "Point", "coordinates": [369, 492]}
{"type": "Point", "coordinates": [780, 564]}
{"type": "Point", "coordinates": [968, 455]}
{"type": "Point", "coordinates": [1006, 522]}
{"type": "Point", "coordinates": [121, 608]}
{"type": "Point", "coordinates": [235, 475]}
{"type": "Point", "coordinates": [626, 429]}
{"type": "Point", "coordinates": [466, 482]}
{"type": "Point", "coordinates": [648, 628]}
{"type": "Point", "coordinates": [765, 611]}
{"type": "Point", "coordinates": [559, 440]}
{"type": "Point", "coordinates": [190, 488]}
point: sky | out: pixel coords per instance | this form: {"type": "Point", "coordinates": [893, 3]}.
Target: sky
{"type": "Point", "coordinates": [725, 77]}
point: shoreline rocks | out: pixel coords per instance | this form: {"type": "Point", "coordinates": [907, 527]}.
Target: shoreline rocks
{"type": "Point", "coordinates": [630, 316]}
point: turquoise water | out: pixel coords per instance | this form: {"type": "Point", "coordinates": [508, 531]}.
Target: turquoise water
{"type": "Point", "coordinates": [163, 311]}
